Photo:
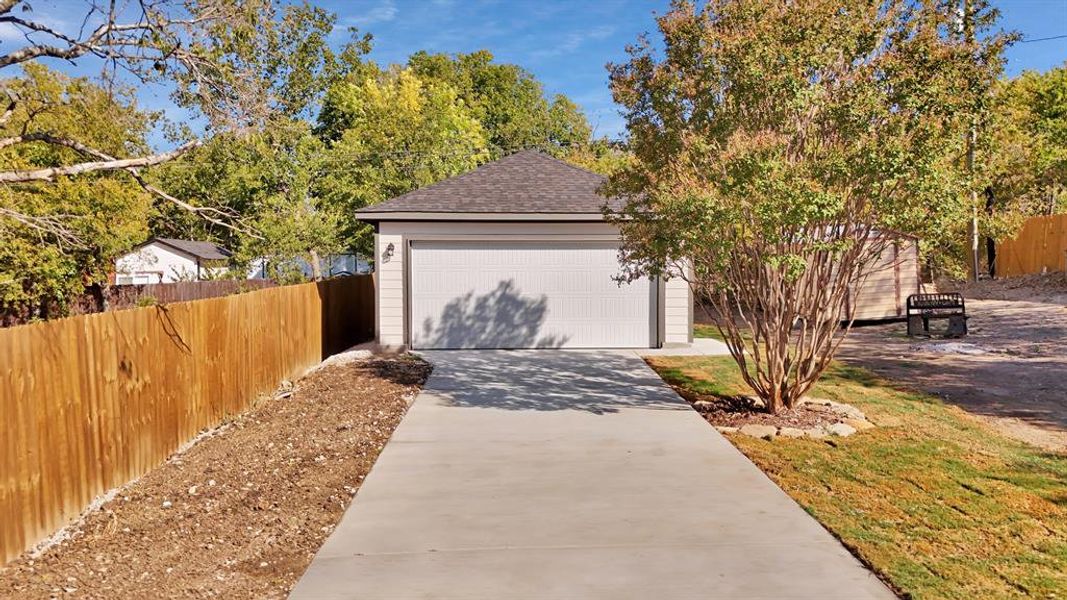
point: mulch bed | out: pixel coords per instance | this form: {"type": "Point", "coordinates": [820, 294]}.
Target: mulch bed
{"type": "Point", "coordinates": [242, 512]}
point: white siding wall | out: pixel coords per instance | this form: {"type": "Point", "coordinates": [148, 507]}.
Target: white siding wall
{"type": "Point", "coordinates": [391, 277]}
{"type": "Point", "coordinates": [156, 263]}
{"type": "Point", "coordinates": [677, 312]}
{"type": "Point", "coordinates": [390, 281]}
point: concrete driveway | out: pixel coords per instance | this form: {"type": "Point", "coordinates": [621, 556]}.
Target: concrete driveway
{"type": "Point", "coordinates": [571, 474]}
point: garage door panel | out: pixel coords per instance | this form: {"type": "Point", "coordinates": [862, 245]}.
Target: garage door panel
{"type": "Point", "coordinates": [525, 295]}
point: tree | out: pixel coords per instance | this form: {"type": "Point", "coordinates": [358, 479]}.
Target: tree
{"type": "Point", "coordinates": [183, 42]}
{"type": "Point", "coordinates": [1026, 152]}
{"type": "Point", "coordinates": [774, 143]}
{"type": "Point", "coordinates": [389, 134]}
{"type": "Point", "coordinates": [508, 101]}
{"type": "Point", "coordinates": [268, 177]}
{"type": "Point", "coordinates": [265, 174]}
{"type": "Point", "coordinates": [58, 237]}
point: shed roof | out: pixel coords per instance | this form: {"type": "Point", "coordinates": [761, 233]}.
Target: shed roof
{"type": "Point", "coordinates": [527, 182]}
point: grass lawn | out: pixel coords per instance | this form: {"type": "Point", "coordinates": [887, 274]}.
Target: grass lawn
{"type": "Point", "coordinates": [935, 501]}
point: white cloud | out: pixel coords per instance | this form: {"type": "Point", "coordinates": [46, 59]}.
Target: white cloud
{"type": "Point", "coordinates": [575, 39]}
{"type": "Point", "coordinates": [382, 13]}
{"type": "Point", "coordinates": [11, 33]}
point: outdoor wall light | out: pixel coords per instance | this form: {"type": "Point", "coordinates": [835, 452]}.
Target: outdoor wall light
{"type": "Point", "coordinates": [388, 251]}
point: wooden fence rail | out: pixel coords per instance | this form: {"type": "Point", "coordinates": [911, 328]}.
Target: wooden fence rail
{"type": "Point", "coordinates": [90, 402]}
{"type": "Point", "coordinates": [1040, 246]}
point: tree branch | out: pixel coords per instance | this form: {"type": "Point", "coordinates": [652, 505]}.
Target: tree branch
{"type": "Point", "coordinates": [131, 166]}
{"type": "Point", "coordinates": [109, 164]}
{"type": "Point", "coordinates": [50, 225]}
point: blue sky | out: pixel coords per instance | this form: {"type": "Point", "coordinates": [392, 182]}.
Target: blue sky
{"type": "Point", "coordinates": [566, 43]}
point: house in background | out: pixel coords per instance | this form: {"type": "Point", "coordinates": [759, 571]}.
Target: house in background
{"type": "Point", "coordinates": [331, 265]}
{"type": "Point", "coordinates": [169, 260]}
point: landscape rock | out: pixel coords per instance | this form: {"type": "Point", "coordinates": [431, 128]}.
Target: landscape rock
{"type": "Point", "coordinates": [845, 410]}
{"type": "Point", "coordinates": [841, 429]}
{"type": "Point", "coordinates": [756, 401]}
{"type": "Point", "coordinates": [816, 433]}
{"type": "Point", "coordinates": [703, 405]}
{"type": "Point", "coordinates": [859, 424]}
{"type": "Point", "coordinates": [791, 432]}
{"type": "Point", "coordinates": [766, 432]}
{"type": "Point", "coordinates": [726, 429]}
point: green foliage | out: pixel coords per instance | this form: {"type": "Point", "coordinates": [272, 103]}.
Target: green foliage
{"type": "Point", "coordinates": [267, 178]}
{"type": "Point", "coordinates": [98, 214]}
{"type": "Point", "coordinates": [508, 101]}
{"type": "Point", "coordinates": [599, 156]}
{"type": "Point", "coordinates": [1026, 150]}
{"type": "Point", "coordinates": [390, 134]}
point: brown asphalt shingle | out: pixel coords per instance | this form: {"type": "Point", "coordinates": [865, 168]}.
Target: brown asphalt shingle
{"type": "Point", "coordinates": [525, 182]}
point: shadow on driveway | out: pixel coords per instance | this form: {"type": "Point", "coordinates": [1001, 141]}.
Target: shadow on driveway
{"type": "Point", "coordinates": [598, 382]}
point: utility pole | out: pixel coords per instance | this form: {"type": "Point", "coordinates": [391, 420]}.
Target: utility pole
{"type": "Point", "coordinates": [972, 141]}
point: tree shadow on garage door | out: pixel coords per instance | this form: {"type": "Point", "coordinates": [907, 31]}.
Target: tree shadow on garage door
{"type": "Point", "coordinates": [501, 318]}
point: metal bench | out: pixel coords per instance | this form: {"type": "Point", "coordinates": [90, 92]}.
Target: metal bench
{"type": "Point", "coordinates": [924, 307]}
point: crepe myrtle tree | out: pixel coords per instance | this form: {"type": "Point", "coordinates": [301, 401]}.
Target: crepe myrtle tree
{"type": "Point", "coordinates": [775, 142]}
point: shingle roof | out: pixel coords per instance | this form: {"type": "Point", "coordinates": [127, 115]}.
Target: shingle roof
{"type": "Point", "coordinates": [204, 250]}
{"type": "Point", "coordinates": [525, 182]}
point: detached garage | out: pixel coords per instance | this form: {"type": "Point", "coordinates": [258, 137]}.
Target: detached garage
{"type": "Point", "coordinates": [515, 254]}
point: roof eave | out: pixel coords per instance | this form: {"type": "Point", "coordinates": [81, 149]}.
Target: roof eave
{"type": "Point", "coordinates": [374, 217]}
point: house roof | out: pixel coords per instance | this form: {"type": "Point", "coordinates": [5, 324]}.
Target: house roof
{"type": "Point", "coordinates": [203, 250]}
{"type": "Point", "coordinates": [527, 183]}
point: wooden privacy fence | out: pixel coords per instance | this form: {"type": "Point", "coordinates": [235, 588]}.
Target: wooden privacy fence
{"type": "Point", "coordinates": [90, 402]}
{"type": "Point", "coordinates": [1040, 246]}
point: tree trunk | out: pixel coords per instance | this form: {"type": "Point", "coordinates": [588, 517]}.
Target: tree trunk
{"type": "Point", "coordinates": [316, 267]}
{"type": "Point", "coordinates": [99, 295]}
{"type": "Point", "coordinates": [990, 243]}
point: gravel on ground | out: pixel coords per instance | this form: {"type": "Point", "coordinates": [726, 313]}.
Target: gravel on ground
{"type": "Point", "coordinates": [242, 512]}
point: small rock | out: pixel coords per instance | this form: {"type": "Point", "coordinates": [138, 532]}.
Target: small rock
{"type": "Point", "coordinates": [841, 429]}
{"type": "Point", "coordinates": [192, 491]}
{"type": "Point", "coordinates": [765, 432]}
{"type": "Point", "coordinates": [703, 405]}
{"type": "Point", "coordinates": [791, 432]}
{"type": "Point", "coordinates": [816, 433]}
{"type": "Point", "coordinates": [859, 424]}
{"type": "Point", "coordinates": [166, 504]}
{"type": "Point", "coordinates": [726, 429]}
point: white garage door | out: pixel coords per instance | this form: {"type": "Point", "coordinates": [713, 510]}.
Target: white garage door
{"type": "Point", "coordinates": [525, 295]}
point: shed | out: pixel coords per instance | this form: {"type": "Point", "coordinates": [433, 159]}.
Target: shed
{"type": "Point", "coordinates": [514, 254]}
{"type": "Point", "coordinates": [896, 275]}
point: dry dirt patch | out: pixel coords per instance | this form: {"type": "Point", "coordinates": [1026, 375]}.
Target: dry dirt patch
{"type": "Point", "coordinates": [241, 513]}
{"type": "Point", "coordinates": [1010, 371]}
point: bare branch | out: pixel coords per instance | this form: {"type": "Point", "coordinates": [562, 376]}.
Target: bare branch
{"type": "Point", "coordinates": [53, 226]}
{"type": "Point", "coordinates": [112, 164]}
{"type": "Point", "coordinates": [10, 110]}
{"type": "Point", "coordinates": [207, 213]}
{"type": "Point", "coordinates": [131, 166]}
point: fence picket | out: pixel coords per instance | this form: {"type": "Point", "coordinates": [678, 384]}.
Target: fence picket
{"type": "Point", "coordinates": [1040, 246]}
{"type": "Point", "coordinates": [91, 402]}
